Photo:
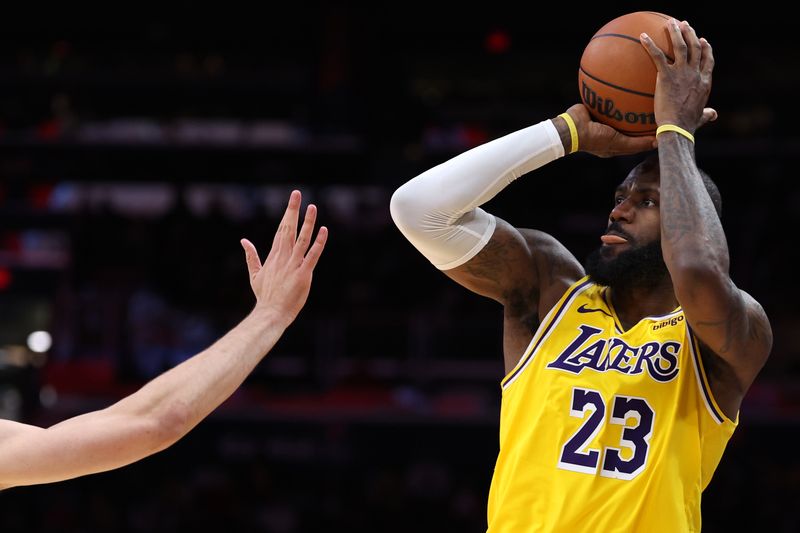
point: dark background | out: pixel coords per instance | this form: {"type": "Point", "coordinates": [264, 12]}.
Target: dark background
{"type": "Point", "coordinates": [139, 144]}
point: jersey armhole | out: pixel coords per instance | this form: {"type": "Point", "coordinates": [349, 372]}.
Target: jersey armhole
{"type": "Point", "coordinates": [703, 384]}
{"type": "Point", "coordinates": [548, 324]}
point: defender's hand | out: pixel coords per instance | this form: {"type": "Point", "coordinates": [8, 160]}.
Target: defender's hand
{"type": "Point", "coordinates": [282, 283]}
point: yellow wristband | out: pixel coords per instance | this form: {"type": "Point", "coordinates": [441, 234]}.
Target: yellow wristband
{"type": "Point", "coordinates": [573, 131]}
{"type": "Point", "coordinates": [676, 129]}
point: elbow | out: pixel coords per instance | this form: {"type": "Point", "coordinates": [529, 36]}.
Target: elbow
{"type": "Point", "coordinates": [169, 425]}
{"type": "Point", "coordinates": [402, 206]}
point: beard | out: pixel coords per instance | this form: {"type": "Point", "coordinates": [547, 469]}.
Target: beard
{"type": "Point", "coordinates": [639, 266]}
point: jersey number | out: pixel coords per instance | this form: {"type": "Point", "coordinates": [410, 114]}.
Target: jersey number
{"type": "Point", "coordinates": [577, 457]}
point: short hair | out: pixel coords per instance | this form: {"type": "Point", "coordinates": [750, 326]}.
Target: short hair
{"type": "Point", "coordinates": [651, 162]}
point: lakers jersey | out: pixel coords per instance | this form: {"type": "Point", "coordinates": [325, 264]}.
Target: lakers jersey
{"type": "Point", "coordinates": [605, 430]}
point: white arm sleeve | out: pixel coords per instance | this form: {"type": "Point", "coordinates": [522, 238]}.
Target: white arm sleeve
{"type": "Point", "coordinates": [438, 210]}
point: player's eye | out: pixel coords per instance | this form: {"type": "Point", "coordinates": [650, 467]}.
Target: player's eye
{"type": "Point", "coordinates": [649, 202]}
{"type": "Point", "coordinates": [618, 200]}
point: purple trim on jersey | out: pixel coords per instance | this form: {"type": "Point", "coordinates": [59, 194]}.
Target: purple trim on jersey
{"type": "Point", "coordinates": [544, 333]}
{"type": "Point", "coordinates": [701, 374]}
{"type": "Point", "coordinates": [617, 325]}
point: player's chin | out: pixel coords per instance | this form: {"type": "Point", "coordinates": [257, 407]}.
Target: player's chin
{"type": "Point", "coordinates": [611, 251]}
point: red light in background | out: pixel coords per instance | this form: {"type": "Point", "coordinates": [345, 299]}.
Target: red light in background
{"type": "Point", "coordinates": [498, 42]}
{"type": "Point", "coordinates": [49, 130]}
{"type": "Point", "coordinates": [39, 196]}
{"type": "Point", "coordinates": [5, 278]}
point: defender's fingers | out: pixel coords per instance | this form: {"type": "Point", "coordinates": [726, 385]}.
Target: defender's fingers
{"type": "Point", "coordinates": [316, 249]}
{"type": "Point", "coordinates": [304, 238]}
{"type": "Point", "coordinates": [251, 257]}
{"type": "Point", "coordinates": [287, 231]}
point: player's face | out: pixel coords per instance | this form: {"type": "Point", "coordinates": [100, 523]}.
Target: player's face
{"type": "Point", "coordinates": [630, 254]}
{"type": "Point", "coordinates": [634, 220]}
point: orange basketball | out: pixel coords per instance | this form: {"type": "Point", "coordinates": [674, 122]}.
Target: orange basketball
{"type": "Point", "coordinates": [617, 78]}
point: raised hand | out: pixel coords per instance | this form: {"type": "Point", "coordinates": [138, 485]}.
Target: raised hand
{"type": "Point", "coordinates": [683, 85]}
{"type": "Point", "coordinates": [282, 283]}
{"type": "Point", "coordinates": [604, 141]}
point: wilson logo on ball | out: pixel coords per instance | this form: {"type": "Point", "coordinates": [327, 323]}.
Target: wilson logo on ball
{"type": "Point", "coordinates": [605, 107]}
{"type": "Point", "coordinates": [617, 77]}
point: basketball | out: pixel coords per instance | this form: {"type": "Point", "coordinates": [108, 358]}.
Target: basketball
{"type": "Point", "coordinates": [617, 78]}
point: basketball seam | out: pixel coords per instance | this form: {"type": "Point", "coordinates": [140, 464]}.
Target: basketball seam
{"type": "Point", "coordinates": [623, 36]}
{"type": "Point", "coordinates": [595, 78]}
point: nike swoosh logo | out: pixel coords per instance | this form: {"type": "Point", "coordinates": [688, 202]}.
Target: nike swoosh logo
{"type": "Point", "coordinates": [584, 309]}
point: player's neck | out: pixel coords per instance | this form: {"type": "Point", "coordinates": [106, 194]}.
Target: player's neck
{"type": "Point", "coordinates": [634, 303]}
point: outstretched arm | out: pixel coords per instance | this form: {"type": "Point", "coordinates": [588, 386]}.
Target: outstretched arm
{"type": "Point", "coordinates": [169, 406]}
{"type": "Point", "coordinates": [439, 210]}
{"type": "Point", "coordinates": [727, 320]}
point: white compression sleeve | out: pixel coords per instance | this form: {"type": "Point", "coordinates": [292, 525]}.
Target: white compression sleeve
{"type": "Point", "coordinates": [438, 210]}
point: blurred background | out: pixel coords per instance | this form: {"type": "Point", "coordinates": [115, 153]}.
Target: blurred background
{"type": "Point", "coordinates": [137, 146]}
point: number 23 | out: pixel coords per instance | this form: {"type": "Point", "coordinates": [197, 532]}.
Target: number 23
{"type": "Point", "coordinates": [635, 438]}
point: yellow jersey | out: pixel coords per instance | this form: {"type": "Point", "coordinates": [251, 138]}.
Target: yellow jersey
{"type": "Point", "coordinates": [604, 430]}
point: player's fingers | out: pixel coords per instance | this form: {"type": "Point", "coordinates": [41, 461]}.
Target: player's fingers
{"type": "Point", "coordinates": [658, 56]}
{"type": "Point", "coordinates": [316, 249]}
{"type": "Point", "coordinates": [709, 115]}
{"type": "Point", "coordinates": [678, 42]}
{"type": "Point", "coordinates": [692, 42]}
{"type": "Point", "coordinates": [634, 145]}
{"type": "Point", "coordinates": [304, 237]}
{"type": "Point", "coordinates": [251, 257]}
{"type": "Point", "coordinates": [706, 57]}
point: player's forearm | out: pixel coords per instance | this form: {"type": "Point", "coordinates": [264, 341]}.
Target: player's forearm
{"type": "Point", "coordinates": [692, 237]}
{"type": "Point", "coordinates": [438, 211]}
{"type": "Point", "coordinates": [186, 394]}
{"type": "Point", "coordinates": [149, 420]}
{"type": "Point", "coordinates": [477, 175]}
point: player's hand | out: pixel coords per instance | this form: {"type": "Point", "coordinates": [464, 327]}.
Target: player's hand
{"type": "Point", "coordinates": [684, 85]}
{"type": "Point", "coordinates": [281, 284]}
{"type": "Point", "coordinates": [602, 140]}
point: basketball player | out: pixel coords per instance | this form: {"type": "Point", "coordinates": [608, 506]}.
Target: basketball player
{"type": "Point", "coordinates": [169, 406]}
{"type": "Point", "coordinates": [624, 378]}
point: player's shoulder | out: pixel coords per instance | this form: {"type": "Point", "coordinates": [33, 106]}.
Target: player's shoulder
{"type": "Point", "coordinates": [547, 248]}
{"type": "Point", "coordinates": [557, 267]}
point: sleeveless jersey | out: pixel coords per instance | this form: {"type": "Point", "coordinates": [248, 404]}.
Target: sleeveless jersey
{"type": "Point", "coordinates": [605, 430]}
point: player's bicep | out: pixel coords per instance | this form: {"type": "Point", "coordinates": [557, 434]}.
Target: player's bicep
{"type": "Point", "coordinates": [503, 265]}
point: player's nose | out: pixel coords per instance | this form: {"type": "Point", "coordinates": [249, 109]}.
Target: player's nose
{"type": "Point", "coordinates": [622, 212]}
